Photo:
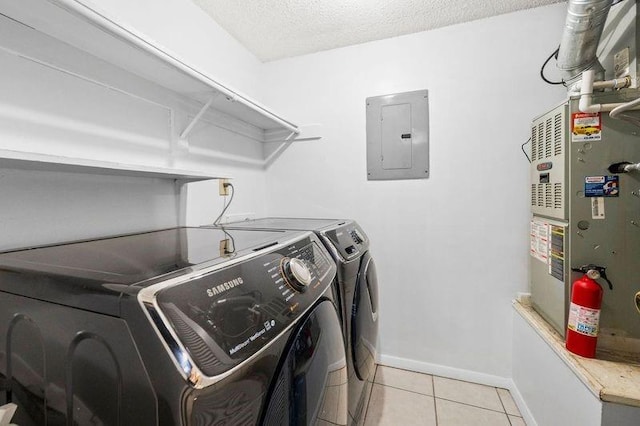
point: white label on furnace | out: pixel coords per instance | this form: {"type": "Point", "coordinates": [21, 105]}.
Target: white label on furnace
{"type": "Point", "coordinates": [583, 320]}
{"type": "Point", "coordinates": [597, 208]}
{"type": "Point", "coordinates": [594, 179]}
{"type": "Point", "coordinates": [540, 240]}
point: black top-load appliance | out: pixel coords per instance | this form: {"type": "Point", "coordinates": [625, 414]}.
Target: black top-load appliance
{"type": "Point", "coordinates": [183, 326]}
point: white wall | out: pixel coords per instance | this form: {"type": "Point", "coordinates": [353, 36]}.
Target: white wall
{"type": "Point", "coordinates": [547, 386]}
{"type": "Point", "coordinates": [44, 110]}
{"type": "Point", "coordinates": [451, 250]}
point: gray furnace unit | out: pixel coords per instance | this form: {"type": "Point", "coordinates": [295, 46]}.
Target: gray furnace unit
{"type": "Point", "coordinates": [585, 212]}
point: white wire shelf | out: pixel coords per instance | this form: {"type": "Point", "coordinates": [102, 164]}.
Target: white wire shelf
{"type": "Point", "coordinates": [52, 163]}
{"type": "Point", "coordinates": [82, 26]}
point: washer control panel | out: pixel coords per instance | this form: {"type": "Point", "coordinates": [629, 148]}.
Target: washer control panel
{"type": "Point", "coordinates": [225, 316]}
{"type": "Point", "coordinates": [296, 273]}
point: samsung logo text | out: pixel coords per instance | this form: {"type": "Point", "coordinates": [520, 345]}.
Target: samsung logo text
{"type": "Point", "coordinates": [221, 288]}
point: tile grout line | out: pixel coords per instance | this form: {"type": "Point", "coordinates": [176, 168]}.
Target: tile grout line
{"type": "Point", "coordinates": [366, 409]}
{"type": "Point", "coordinates": [503, 407]}
{"type": "Point", "coordinates": [403, 389]}
{"type": "Point", "coordinates": [504, 410]}
{"type": "Point", "coordinates": [445, 399]}
{"type": "Point", "coordinates": [474, 406]}
{"type": "Point", "coordinates": [518, 417]}
{"type": "Point", "coordinates": [433, 376]}
{"type": "Point", "coordinates": [433, 391]}
{"type": "Point", "coordinates": [451, 400]}
{"type": "Point", "coordinates": [501, 402]}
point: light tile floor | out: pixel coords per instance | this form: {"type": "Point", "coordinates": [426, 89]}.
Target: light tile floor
{"type": "Point", "coordinates": [401, 397]}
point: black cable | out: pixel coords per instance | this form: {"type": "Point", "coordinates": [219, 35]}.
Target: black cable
{"type": "Point", "coordinates": [217, 221]}
{"type": "Point", "coordinates": [525, 152]}
{"type": "Point", "coordinates": [554, 54]}
{"type": "Point", "coordinates": [233, 242]}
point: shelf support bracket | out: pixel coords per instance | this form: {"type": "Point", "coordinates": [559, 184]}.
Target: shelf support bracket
{"type": "Point", "coordinates": [177, 146]}
{"type": "Point", "coordinates": [303, 133]}
{"type": "Point", "coordinates": [205, 107]}
{"type": "Point", "coordinates": [276, 153]}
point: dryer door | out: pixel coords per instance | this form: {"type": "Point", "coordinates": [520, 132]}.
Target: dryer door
{"type": "Point", "coordinates": [310, 386]}
{"type": "Point", "coordinates": [364, 319]}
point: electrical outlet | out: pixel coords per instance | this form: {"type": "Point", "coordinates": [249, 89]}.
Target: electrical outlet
{"type": "Point", "coordinates": [223, 188]}
{"type": "Point", "coordinates": [224, 248]}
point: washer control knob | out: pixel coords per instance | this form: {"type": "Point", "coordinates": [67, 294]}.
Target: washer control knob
{"type": "Point", "coordinates": [296, 273]}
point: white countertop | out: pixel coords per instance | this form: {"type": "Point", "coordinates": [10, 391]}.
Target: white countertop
{"type": "Point", "coordinates": [612, 376]}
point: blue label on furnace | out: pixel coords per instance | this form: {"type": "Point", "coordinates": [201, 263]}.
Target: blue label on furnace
{"type": "Point", "coordinates": [601, 186]}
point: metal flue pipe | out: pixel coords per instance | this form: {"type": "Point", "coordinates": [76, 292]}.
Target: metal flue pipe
{"type": "Point", "coordinates": [582, 31]}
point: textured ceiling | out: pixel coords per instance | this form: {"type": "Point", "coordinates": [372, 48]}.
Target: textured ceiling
{"type": "Point", "coordinates": [279, 29]}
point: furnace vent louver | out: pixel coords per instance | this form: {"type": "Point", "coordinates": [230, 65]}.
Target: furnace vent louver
{"type": "Point", "coordinates": [534, 143]}
{"type": "Point", "coordinates": [557, 135]}
{"type": "Point", "coordinates": [546, 138]}
{"type": "Point", "coordinates": [548, 196]}
{"type": "Point", "coordinates": [540, 141]}
{"type": "Point", "coordinates": [557, 195]}
{"type": "Point", "coordinates": [549, 137]}
{"type": "Point", "coordinates": [540, 195]}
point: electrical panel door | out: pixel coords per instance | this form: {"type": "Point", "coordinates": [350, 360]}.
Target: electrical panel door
{"type": "Point", "coordinates": [398, 136]}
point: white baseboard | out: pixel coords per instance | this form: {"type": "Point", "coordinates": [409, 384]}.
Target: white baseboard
{"type": "Point", "coordinates": [465, 375]}
{"type": "Point", "coordinates": [444, 371]}
{"type": "Point", "coordinates": [522, 406]}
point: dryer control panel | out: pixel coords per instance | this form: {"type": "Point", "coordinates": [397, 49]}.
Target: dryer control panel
{"type": "Point", "coordinates": [225, 316]}
{"type": "Point", "coordinates": [349, 240]}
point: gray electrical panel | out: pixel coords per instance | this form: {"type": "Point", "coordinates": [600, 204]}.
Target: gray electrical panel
{"type": "Point", "coordinates": [582, 213]}
{"type": "Point", "coordinates": [398, 136]}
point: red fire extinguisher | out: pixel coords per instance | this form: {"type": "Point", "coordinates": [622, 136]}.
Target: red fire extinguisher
{"type": "Point", "coordinates": [584, 311]}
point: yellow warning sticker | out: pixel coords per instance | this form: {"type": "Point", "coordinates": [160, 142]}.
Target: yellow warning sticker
{"type": "Point", "coordinates": [586, 127]}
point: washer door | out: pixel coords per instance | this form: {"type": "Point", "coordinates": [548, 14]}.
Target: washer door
{"type": "Point", "coordinates": [310, 385]}
{"type": "Point", "coordinates": [364, 319]}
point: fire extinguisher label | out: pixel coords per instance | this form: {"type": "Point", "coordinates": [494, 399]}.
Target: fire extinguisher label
{"type": "Point", "coordinates": [583, 320]}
